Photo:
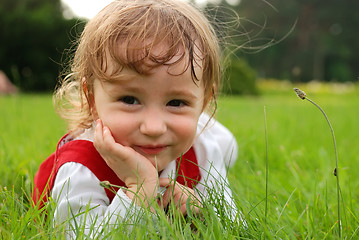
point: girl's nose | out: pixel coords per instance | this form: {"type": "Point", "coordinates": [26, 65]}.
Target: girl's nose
{"type": "Point", "coordinates": [153, 124]}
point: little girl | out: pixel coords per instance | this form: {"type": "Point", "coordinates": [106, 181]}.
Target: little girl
{"type": "Point", "coordinates": [142, 76]}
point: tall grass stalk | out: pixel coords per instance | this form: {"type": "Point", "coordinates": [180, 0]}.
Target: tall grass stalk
{"type": "Point", "coordinates": [303, 96]}
{"type": "Point", "coordinates": [267, 172]}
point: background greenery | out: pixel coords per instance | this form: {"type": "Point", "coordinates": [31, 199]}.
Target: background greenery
{"type": "Point", "coordinates": [301, 40]}
{"type": "Point", "coordinates": [302, 188]}
{"type": "Point", "coordinates": [295, 40]}
{"type": "Point", "coordinates": [35, 41]}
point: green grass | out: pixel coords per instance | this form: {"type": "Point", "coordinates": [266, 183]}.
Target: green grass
{"type": "Point", "coordinates": [302, 189]}
{"type": "Point", "coordinates": [301, 161]}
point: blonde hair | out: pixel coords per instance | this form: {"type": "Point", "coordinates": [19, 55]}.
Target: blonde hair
{"type": "Point", "coordinates": [139, 26]}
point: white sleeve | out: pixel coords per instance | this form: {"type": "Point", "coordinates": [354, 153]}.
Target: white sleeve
{"type": "Point", "coordinates": [222, 136]}
{"type": "Point", "coordinates": [216, 149]}
{"type": "Point", "coordinates": [81, 199]}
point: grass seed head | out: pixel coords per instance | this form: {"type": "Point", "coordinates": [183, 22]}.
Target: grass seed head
{"type": "Point", "coordinates": [105, 184]}
{"type": "Point", "coordinates": [300, 93]}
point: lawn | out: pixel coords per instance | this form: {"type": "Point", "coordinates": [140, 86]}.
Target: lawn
{"type": "Point", "coordinates": [302, 201]}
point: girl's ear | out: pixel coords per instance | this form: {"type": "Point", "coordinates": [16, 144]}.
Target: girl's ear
{"type": "Point", "coordinates": [90, 100]}
{"type": "Point", "coordinates": [92, 105]}
{"type": "Point", "coordinates": [208, 99]}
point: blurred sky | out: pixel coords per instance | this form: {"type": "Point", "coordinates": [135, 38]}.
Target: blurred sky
{"type": "Point", "coordinates": [89, 8]}
{"type": "Point", "coordinates": [85, 8]}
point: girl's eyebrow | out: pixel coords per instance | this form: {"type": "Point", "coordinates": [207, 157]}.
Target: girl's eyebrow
{"type": "Point", "coordinates": [113, 85]}
{"type": "Point", "coordinates": [119, 78]}
{"type": "Point", "coordinates": [185, 93]}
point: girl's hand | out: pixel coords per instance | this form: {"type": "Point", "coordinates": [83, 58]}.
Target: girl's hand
{"type": "Point", "coordinates": [179, 194]}
{"type": "Point", "coordinates": [136, 171]}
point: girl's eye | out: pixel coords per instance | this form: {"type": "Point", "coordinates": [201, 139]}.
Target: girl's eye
{"type": "Point", "coordinates": [129, 100]}
{"type": "Point", "coordinates": [176, 103]}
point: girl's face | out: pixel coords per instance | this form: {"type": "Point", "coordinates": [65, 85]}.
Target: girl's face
{"type": "Point", "coordinates": [154, 114]}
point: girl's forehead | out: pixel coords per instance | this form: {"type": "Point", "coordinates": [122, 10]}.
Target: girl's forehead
{"type": "Point", "coordinates": [146, 58]}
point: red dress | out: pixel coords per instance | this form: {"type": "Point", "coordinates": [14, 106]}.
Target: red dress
{"type": "Point", "coordinates": [83, 152]}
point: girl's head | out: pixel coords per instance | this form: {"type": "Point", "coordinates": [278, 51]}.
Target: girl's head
{"type": "Point", "coordinates": [127, 35]}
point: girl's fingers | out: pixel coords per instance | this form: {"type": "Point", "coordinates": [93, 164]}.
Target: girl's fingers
{"type": "Point", "coordinates": [171, 189]}
{"type": "Point", "coordinates": [164, 200]}
{"type": "Point", "coordinates": [164, 182]}
{"type": "Point", "coordinates": [103, 136]}
{"type": "Point", "coordinates": [194, 209]}
{"type": "Point", "coordinates": [171, 185]}
{"type": "Point", "coordinates": [177, 193]}
{"type": "Point", "coordinates": [107, 138]}
{"type": "Point", "coordinates": [180, 197]}
{"type": "Point", "coordinates": [98, 137]}
{"type": "Point", "coordinates": [173, 192]}
{"type": "Point", "coordinates": [103, 139]}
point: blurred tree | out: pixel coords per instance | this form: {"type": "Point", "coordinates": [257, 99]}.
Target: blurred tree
{"type": "Point", "coordinates": [34, 36]}
{"type": "Point", "coordinates": [322, 44]}
{"type": "Point", "coordinates": [241, 79]}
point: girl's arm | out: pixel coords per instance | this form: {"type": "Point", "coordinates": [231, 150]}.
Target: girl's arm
{"type": "Point", "coordinates": [216, 150]}
{"type": "Point", "coordinates": [83, 203]}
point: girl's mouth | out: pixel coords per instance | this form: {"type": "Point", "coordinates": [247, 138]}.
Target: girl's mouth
{"type": "Point", "coordinates": [151, 150]}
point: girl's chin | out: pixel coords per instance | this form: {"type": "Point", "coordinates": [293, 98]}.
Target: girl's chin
{"type": "Point", "coordinates": [158, 163]}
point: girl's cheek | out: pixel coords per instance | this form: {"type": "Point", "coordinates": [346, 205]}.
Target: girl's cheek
{"type": "Point", "coordinates": [187, 129]}
{"type": "Point", "coordinates": [122, 131]}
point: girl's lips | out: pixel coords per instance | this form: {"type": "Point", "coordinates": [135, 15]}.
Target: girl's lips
{"type": "Point", "coordinates": [151, 150]}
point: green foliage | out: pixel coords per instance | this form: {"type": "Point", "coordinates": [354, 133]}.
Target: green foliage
{"type": "Point", "coordinates": [295, 40]}
{"type": "Point", "coordinates": [300, 40]}
{"type": "Point", "coordinates": [34, 36]}
{"type": "Point", "coordinates": [241, 79]}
